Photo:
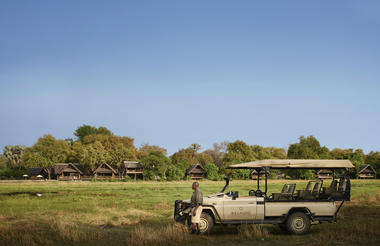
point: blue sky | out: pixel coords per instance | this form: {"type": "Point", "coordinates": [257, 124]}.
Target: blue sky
{"type": "Point", "coordinates": [172, 73]}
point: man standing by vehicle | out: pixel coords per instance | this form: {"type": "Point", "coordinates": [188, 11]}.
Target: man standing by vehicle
{"type": "Point", "coordinates": [196, 208]}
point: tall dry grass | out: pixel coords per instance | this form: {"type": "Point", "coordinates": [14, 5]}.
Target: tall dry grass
{"type": "Point", "coordinates": [171, 234]}
{"type": "Point", "coordinates": [20, 234]}
{"type": "Point", "coordinates": [71, 231]}
{"type": "Point", "coordinates": [354, 233]}
{"type": "Point", "coordinates": [253, 232]}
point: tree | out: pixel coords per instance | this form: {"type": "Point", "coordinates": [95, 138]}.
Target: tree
{"type": "Point", "coordinates": [261, 153]}
{"type": "Point", "coordinates": [145, 149]}
{"type": "Point", "coordinates": [373, 159]}
{"type": "Point", "coordinates": [3, 162]}
{"type": "Point", "coordinates": [308, 148]}
{"type": "Point", "coordinates": [217, 153]}
{"type": "Point", "coordinates": [204, 158]}
{"type": "Point", "coordinates": [13, 154]}
{"type": "Point", "coordinates": [93, 155]}
{"type": "Point", "coordinates": [196, 147]}
{"type": "Point", "coordinates": [47, 151]}
{"type": "Point", "coordinates": [155, 164]}
{"type": "Point", "coordinates": [238, 152]}
{"type": "Point", "coordinates": [76, 152]}
{"type": "Point", "coordinates": [188, 155]}
{"type": "Point", "coordinates": [277, 153]}
{"type": "Point", "coordinates": [357, 157]}
{"type": "Point", "coordinates": [120, 153]}
{"type": "Point", "coordinates": [86, 130]}
{"type": "Point", "coordinates": [174, 173]}
{"type": "Point", "coordinates": [212, 171]}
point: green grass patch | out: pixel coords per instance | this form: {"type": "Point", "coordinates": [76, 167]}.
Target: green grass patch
{"type": "Point", "coordinates": [141, 213]}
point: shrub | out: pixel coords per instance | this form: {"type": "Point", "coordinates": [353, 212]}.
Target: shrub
{"type": "Point", "coordinates": [212, 172]}
{"type": "Point", "coordinates": [174, 173]}
{"type": "Point", "coordinates": [12, 173]}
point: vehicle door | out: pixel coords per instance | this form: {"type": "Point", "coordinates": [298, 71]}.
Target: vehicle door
{"type": "Point", "coordinates": [243, 208]}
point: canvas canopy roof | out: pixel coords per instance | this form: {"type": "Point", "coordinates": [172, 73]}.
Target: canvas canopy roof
{"type": "Point", "coordinates": [295, 164]}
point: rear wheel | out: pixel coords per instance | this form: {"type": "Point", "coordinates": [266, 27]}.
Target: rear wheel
{"type": "Point", "coordinates": [206, 224]}
{"type": "Point", "coordinates": [298, 223]}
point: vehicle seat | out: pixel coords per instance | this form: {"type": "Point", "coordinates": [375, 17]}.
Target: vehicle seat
{"type": "Point", "coordinates": [285, 188]}
{"type": "Point", "coordinates": [310, 191]}
{"type": "Point", "coordinates": [341, 189]}
{"type": "Point", "coordinates": [301, 193]}
{"type": "Point", "coordinates": [327, 191]}
{"type": "Point", "coordinates": [286, 192]}
{"type": "Point", "coordinates": [314, 194]}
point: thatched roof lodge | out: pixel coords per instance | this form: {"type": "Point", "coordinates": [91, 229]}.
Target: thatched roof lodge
{"type": "Point", "coordinates": [324, 174]}
{"type": "Point", "coordinates": [131, 168]}
{"type": "Point", "coordinates": [367, 172]}
{"type": "Point", "coordinates": [37, 173]}
{"type": "Point", "coordinates": [253, 174]}
{"type": "Point", "coordinates": [196, 172]}
{"type": "Point", "coordinates": [104, 171]}
{"type": "Point", "coordinates": [66, 171]}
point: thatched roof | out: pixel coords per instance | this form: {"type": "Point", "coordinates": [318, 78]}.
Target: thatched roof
{"type": "Point", "coordinates": [196, 168]}
{"type": "Point", "coordinates": [254, 172]}
{"type": "Point", "coordinates": [321, 171]}
{"type": "Point", "coordinates": [104, 168]}
{"type": "Point", "coordinates": [59, 168]}
{"type": "Point", "coordinates": [367, 168]}
{"type": "Point", "coordinates": [34, 171]}
{"type": "Point", "coordinates": [130, 164]}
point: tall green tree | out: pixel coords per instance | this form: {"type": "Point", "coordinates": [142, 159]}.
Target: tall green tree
{"type": "Point", "coordinates": [276, 153]}
{"type": "Point", "coordinates": [3, 162]}
{"type": "Point", "coordinates": [373, 159]}
{"type": "Point", "coordinates": [47, 151]}
{"type": "Point", "coordinates": [188, 155]}
{"type": "Point", "coordinates": [306, 148]}
{"type": "Point", "coordinates": [212, 172]}
{"type": "Point", "coordinates": [93, 155]}
{"type": "Point", "coordinates": [155, 164]}
{"type": "Point", "coordinates": [145, 149]}
{"type": "Point", "coordinates": [119, 153]}
{"type": "Point", "coordinates": [86, 130]}
{"type": "Point", "coordinates": [238, 152]}
{"type": "Point", "coordinates": [357, 157]}
{"type": "Point", "coordinates": [13, 154]}
{"type": "Point", "coordinates": [261, 153]}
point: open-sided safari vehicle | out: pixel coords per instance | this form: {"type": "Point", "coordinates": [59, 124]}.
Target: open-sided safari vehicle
{"type": "Point", "coordinates": [293, 209]}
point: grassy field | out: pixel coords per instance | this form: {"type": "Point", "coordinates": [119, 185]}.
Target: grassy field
{"type": "Point", "coordinates": [104, 213]}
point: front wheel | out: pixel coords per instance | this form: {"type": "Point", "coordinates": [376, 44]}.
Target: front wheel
{"type": "Point", "coordinates": [206, 224]}
{"type": "Point", "coordinates": [298, 223]}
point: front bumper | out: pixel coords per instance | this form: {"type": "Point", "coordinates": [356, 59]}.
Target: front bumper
{"type": "Point", "coordinates": [181, 212]}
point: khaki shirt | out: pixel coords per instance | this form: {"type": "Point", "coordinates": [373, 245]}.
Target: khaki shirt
{"type": "Point", "coordinates": [196, 198]}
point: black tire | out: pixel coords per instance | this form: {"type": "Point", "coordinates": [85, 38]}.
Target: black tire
{"type": "Point", "coordinates": [298, 223]}
{"type": "Point", "coordinates": [207, 223]}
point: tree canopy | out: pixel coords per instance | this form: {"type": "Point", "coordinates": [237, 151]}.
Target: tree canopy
{"type": "Point", "coordinates": [97, 145]}
{"type": "Point", "coordinates": [87, 130]}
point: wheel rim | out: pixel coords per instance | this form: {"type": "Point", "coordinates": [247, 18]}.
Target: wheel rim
{"type": "Point", "coordinates": [203, 225]}
{"type": "Point", "coordinates": [299, 224]}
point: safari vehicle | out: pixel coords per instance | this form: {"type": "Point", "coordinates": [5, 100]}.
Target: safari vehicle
{"type": "Point", "coordinates": [294, 209]}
